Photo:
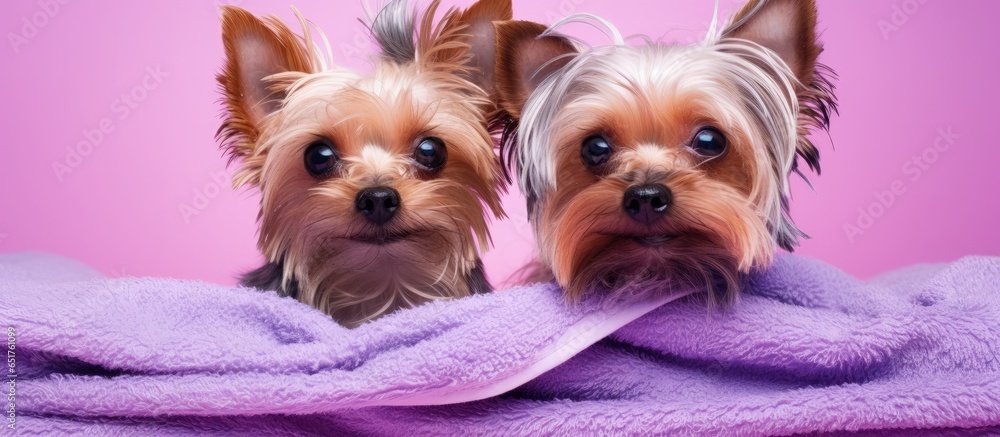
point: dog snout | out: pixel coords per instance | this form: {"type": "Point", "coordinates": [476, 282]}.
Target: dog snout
{"type": "Point", "coordinates": [647, 203]}
{"type": "Point", "coordinates": [378, 204]}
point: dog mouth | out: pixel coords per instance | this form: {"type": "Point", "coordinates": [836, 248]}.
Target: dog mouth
{"type": "Point", "coordinates": [654, 240]}
{"type": "Point", "coordinates": [648, 240]}
{"type": "Point", "coordinates": [382, 238]}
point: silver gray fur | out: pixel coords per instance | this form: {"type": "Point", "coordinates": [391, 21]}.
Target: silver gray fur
{"type": "Point", "coordinates": [393, 29]}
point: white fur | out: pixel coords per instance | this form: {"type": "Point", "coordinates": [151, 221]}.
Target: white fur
{"type": "Point", "coordinates": [746, 85]}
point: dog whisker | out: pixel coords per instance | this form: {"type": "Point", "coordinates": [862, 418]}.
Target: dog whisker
{"type": "Point", "coordinates": [374, 187]}
{"type": "Point", "coordinates": [686, 150]}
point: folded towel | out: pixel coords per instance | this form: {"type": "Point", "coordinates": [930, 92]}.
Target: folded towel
{"type": "Point", "coordinates": [807, 349]}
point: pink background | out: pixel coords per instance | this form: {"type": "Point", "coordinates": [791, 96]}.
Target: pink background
{"type": "Point", "coordinates": [119, 209]}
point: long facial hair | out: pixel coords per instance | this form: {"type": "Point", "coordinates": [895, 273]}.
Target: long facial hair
{"type": "Point", "coordinates": [756, 80]}
{"type": "Point", "coordinates": [311, 232]}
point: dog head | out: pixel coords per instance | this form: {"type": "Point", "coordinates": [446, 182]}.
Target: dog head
{"type": "Point", "coordinates": [661, 166]}
{"type": "Point", "coordinates": [376, 188]}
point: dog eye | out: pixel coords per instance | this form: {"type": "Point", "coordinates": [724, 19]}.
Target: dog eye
{"type": "Point", "coordinates": [430, 153]}
{"type": "Point", "coordinates": [709, 142]}
{"type": "Point", "coordinates": [596, 151]}
{"type": "Point", "coordinates": [320, 158]}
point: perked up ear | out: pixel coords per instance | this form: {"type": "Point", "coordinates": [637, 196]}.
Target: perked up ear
{"type": "Point", "coordinates": [523, 61]}
{"type": "Point", "coordinates": [255, 49]}
{"type": "Point", "coordinates": [474, 28]}
{"type": "Point", "coordinates": [787, 27]}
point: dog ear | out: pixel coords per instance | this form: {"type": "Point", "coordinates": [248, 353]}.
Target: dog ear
{"type": "Point", "coordinates": [787, 27]}
{"type": "Point", "coordinates": [523, 61]}
{"type": "Point", "coordinates": [255, 49]}
{"type": "Point", "coordinates": [474, 28]}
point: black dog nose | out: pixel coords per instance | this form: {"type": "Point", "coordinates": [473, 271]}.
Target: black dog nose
{"type": "Point", "coordinates": [378, 204]}
{"type": "Point", "coordinates": [646, 203]}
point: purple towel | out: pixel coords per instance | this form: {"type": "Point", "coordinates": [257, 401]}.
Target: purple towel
{"type": "Point", "coordinates": [807, 349]}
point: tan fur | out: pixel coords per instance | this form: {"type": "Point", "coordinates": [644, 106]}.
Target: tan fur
{"type": "Point", "coordinates": [523, 60]}
{"type": "Point", "coordinates": [797, 44]}
{"type": "Point", "coordinates": [479, 20]}
{"type": "Point", "coordinates": [799, 49]}
{"type": "Point", "coordinates": [757, 82]}
{"type": "Point", "coordinates": [581, 222]}
{"type": "Point", "coordinates": [374, 121]}
{"type": "Point", "coordinates": [255, 49]}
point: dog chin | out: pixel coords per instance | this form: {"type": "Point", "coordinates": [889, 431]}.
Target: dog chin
{"type": "Point", "coordinates": [639, 266]}
{"type": "Point", "coordinates": [383, 238]}
{"type": "Point", "coordinates": [407, 245]}
{"type": "Point", "coordinates": [654, 242]}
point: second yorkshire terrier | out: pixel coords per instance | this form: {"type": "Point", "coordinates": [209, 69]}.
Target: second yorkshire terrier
{"type": "Point", "coordinates": [375, 188]}
{"type": "Point", "coordinates": [663, 166]}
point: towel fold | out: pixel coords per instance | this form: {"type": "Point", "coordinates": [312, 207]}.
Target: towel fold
{"type": "Point", "coordinates": [807, 349]}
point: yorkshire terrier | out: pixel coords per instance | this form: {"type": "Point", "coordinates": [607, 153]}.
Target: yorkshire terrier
{"type": "Point", "coordinates": [375, 188]}
{"type": "Point", "coordinates": [662, 166]}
